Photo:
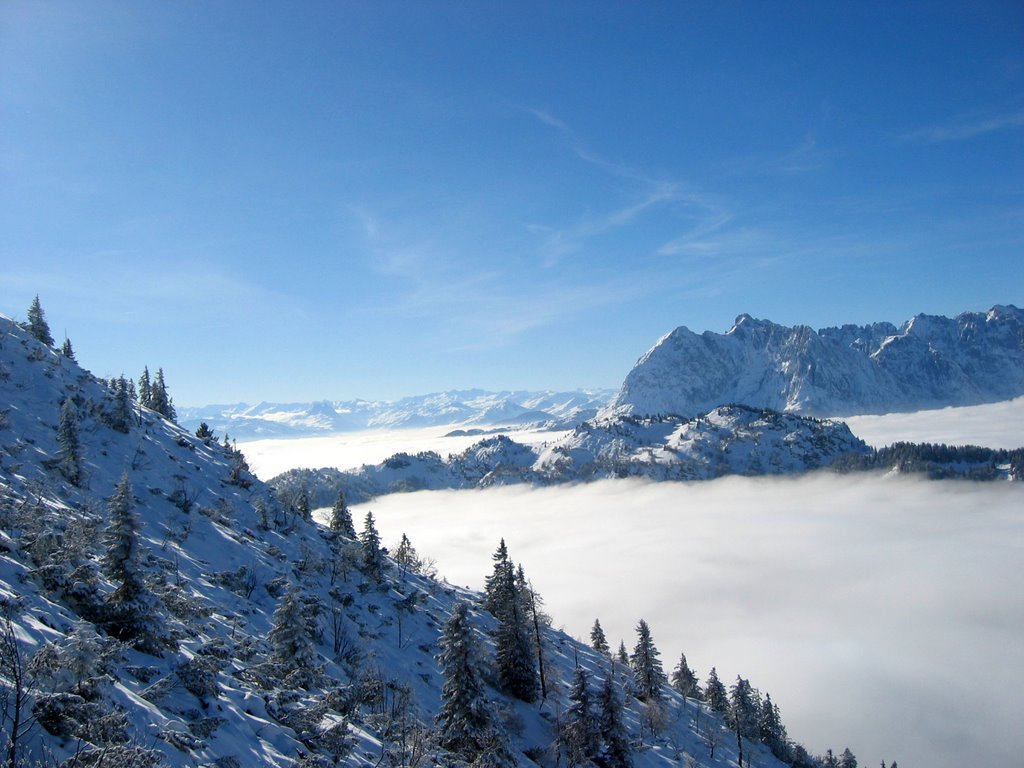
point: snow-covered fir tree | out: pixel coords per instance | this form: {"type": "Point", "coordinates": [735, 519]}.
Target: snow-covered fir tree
{"type": "Point", "coordinates": [622, 655]}
{"type": "Point", "coordinates": [847, 760]}
{"type": "Point", "coordinates": [145, 388]}
{"type": "Point", "coordinates": [514, 648]}
{"type": "Point", "coordinates": [715, 694]}
{"type": "Point", "coordinates": [685, 680]}
{"type": "Point", "coordinates": [131, 609]}
{"type": "Point", "coordinates": [499, 585]}
{"type": "Point", "coordinates": [580, 731]}
{"type": "Point", "coordinates": [67, 350]}
{"type": "Point", "coordinates": [648, 675]}
{"type": "Point", "coordinates": [771, 731]}
{"type": "Point", "coordinates": [744, 713]}
{"type": "Point", "coordinates": [70, 450]}
{"type": "Point", "coordinates": [160, 398]}
{"type": "Point", "coordinates": [341, 517]}
{"type": "Point", "coordinates": [465, 721]}
{"type": "Point", "coordinates": [292, 646]}
{"type": "Point", "coordinates": [597, 639]}
{"type": "Point", "coordinates": [615, 749]}
{"type": "Point", "coordinates": [373, 556]}
{"type": "Point", "coordinates": [37, 324]}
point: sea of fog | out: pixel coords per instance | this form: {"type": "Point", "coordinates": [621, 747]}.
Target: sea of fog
{"type": "Point", "coordinates": [881, 613]}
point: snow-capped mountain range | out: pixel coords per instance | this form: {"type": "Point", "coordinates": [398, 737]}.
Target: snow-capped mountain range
{"type": "Point", "coordinates": [929, 362]}
{"type": "Point", "coordinates": [466, 408]}
{"type": "Point", "coordinates": [252, 636]}
{"type": "Point", "coordinates": [728, 440]}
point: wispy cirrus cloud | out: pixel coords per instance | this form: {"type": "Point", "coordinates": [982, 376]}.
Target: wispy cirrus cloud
{"type": "Point", "coordinates": [646, 193]}
{"type": "Point", "coordinates": [967, 127]}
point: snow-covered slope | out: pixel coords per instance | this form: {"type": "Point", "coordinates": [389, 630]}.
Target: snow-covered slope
{"type": "Point", "coordinates": [930, 362]}
{"type": "Point", "coordinates": [555, 410]}
{"type": "Point", "coordinates": [215, 560]}
{"type": "Point", "coordinates": [730, 440]}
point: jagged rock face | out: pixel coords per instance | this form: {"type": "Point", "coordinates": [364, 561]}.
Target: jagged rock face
{"type": "Point", "coordinates": [930, 362]}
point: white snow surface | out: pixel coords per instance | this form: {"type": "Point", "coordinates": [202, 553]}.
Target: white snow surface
{"type": "Point", "coordinates": [199, 536]}
{"type": "Point", "coordinates": [930, 362]}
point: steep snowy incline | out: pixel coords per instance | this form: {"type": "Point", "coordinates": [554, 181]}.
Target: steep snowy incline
{"type": "Point", "coordinates": [930, 362]}
{"type": "Point", "coordinates": [160, 606]}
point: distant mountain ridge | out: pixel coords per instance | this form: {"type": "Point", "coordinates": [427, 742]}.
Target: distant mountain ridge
{"type": "Point", "coordinates": [929, 362]}
{"type": "Point", "coordinates": [729, 440]}
{"type": "Point", "coordinates": [472, 407]}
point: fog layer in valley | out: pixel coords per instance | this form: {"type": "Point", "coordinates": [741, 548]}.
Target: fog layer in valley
{"type": "Point", "coordinates": [996, 425]}
{"type": "Point", "coordinates": [883, 614]}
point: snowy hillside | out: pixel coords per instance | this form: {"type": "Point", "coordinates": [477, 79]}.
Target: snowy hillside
{"type": "Point", "coordinates": [466, 408]}
{"type": "Point", "coordinates": [931, 362]}
{"type": "Point", "coordinates": [730, 440]}
{"type": "Point", "coordinates": [161, 607]}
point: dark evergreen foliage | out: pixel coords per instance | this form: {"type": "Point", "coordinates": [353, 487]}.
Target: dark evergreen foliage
{"type": "Point", "coordinates": [465, 721]}
{"type": "Point", "coordinates": [67, 350]}
{"type": "Point", "coordinates": [648, 675]}
{"type": "Point", "coordinates": [37, 324]}
{"type": "Point", "coordinates": [939, 461]}
{"type": "Point", "coordinates": [580, 732]}
{"type": "Point", "coordinates": [684, 679]}
{"type": "Point", "coordinates": [597, 639]}
{"type": "Point", "coordinates": [70, 456]}
{"type": "Point", "coordinates": [615, 750]}
{"type": "Point", "coordinates": [373, 556]}
{"type": "Point", "coordinates": [341, 517]}
{"type": "Point", "coordinates": [714, 693]}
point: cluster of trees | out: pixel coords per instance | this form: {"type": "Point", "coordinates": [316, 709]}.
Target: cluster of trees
{"type": "Point", "coordinates": [749, 717]}
{"type": "Point", "coordinates": [938, 461]}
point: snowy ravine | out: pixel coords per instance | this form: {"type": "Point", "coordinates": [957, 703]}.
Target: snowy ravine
{"type": "Point", "coordinates": [930, 362]}
{"type": "Point", "coordinates": [226, 582]}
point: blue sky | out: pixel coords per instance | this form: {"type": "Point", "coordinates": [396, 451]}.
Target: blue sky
{"type": "Point", "coordinates": [296, 201]}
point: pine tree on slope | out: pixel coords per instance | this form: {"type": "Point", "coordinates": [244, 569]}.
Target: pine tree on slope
{"type": "Point", "coordinates": [684, 680]}
{"type": "Point", "coordinates": [341, 517]}
{"type": "Point", "coordinates": [37, 324]}
{"type": "Point", "coordinates": [131, 607]}
{"type": "Point", "coordinates": [647, 672]}
{"type": "Point", "coordinates": [714, 693]}
{"type": "Point", "coordinates": [70, 451]}
{"type": "Point", "coordinates": [581, 729]}
{"type": "Point", "coordinates": [145, 389]}
{"type": "Point", "coordinates": [615, 750]}
{"type": "Point", "coordinates": [67, 350]}
{"type": "Point", "coordinates": [373, 557]}
{"type": "Point", "coordinates": [160, 399]}
{"type": "Point", "coordinates": [465, 722]}
{"type": "Point", "coordinates": [597, 639]}
{"type": "Point", "coordinates": [289, 637]}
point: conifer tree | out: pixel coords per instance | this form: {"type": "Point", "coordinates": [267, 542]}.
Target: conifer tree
{"type": "Point", "coordinates": [615, 750]}
{"type": "Point", "coordinates": [597, 639]}
{"type": "Point", "coordinates": [514, 650]}
{"type": "Point", "coordinates": [302, 503]}
{"type": "Point", "coordinates": [465, 722]}
{"type": "Point", "coordinates": [581, 728]}
{"type": "Point", "coordinates": [647, 671]}
{"type": "Point", "coordinates": [771, 731]}
{"type": "Point", "coordinates": [406, 557]}
{"type": "Point", "coordinates": [67, 440]}
{"type": "Point", "coordinates": [714, 693]}
{"type": "Point", "coordinates": [131, 607]}
{"type": "Point", "coordinates": [160, 399]}
{"type": "Point", "coordinates": [67, 350]}
{"type": "Point", "coordinates": [121, 560]}
{"type": "Point", "coordinates": [289, 637]}
{"type": "Point", "coordinates": [145, 389]}
{"type": "Point", "coordinates": [684, 680]}
{"type": "Point", "coordinates": [341, 517]}
{"type": "Point", "coordinates": [847, 760]}
{"type": "Point", "coordinates": [203, 431]}
{"type": "Point", "coordinates": [37, 324]}
{"type": "Point", "coordinates": [621, 655]}
{"type": "Point", "coordinates": [373, 557]}
{"type": "Point", "coordinates": [743, 714]}
{"type": "Point", "coordinates": [499, 587]}
{"type": "Point", "coordinates": [123, 405]}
